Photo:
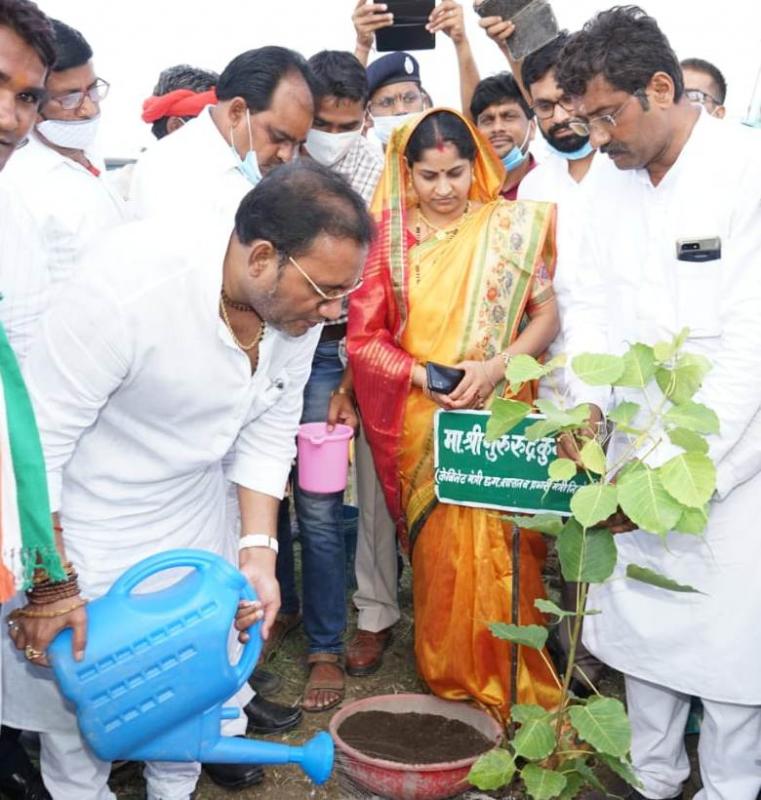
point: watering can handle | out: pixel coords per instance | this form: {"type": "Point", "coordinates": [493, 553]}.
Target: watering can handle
{"type": "Point", "coordinates": [202, 561]}
{"type": "Point", "coordinates": [317, 440]}
{"type": "Point", "coordinates": [171, 559]}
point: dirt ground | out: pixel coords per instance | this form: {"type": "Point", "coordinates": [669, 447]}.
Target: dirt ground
{"type": "Point", "coordinates": [398, 674]}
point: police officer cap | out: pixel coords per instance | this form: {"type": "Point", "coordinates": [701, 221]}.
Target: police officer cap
{"type": "Point", "coordinates": [392, 68]}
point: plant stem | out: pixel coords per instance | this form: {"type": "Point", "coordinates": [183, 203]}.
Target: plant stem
{"type": "Point", "coordinates": [581, 599]}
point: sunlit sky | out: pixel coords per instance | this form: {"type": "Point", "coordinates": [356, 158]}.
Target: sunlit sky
{"type": "Point", "coordinates": [134, 41]}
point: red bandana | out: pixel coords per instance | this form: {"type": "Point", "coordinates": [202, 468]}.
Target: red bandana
{"type": "Point", "coordinates": [179, 103]}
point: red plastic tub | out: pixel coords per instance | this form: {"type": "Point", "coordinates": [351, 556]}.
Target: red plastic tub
{"type": "Point", "coordinates": [396, 781]}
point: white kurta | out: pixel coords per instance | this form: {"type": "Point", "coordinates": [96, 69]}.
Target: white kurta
{"type": "Point", "coordinates": [550, 181]}
{"type": "Point", "coordinates": [632, 288]}
{"type": "Point", "coordinates": [69, 206]}
{"type": "Point", "coordinates": [192, 169]}
{"type": "Point", "coordinates": [140, 392]}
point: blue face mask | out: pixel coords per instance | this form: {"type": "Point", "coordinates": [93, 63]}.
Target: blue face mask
{"type": "Point", "coordinates": [249, 166]}
{"type": "Point", "coordinates": [582, 152]}
{"type": "Point", "coordinates": [517, 155]}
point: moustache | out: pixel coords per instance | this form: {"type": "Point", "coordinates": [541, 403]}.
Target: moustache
{"type": "Point", "coordinates": [613, 150]}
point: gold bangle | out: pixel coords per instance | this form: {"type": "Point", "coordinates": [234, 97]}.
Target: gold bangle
{"type": "Point", "coordinates": [342, 391]}
{"type": "Point", "coordinates": [60, 612]}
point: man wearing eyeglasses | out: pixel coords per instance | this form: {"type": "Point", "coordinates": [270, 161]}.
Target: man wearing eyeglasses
{"type": "Point", "coordinates": [674, 244]}
{"type": "Point", "coordinates": [173, 363]}
{"type": "Point", "coordinates": [57, 176]}
{"type": "Point", "coordinates": [704, 84]}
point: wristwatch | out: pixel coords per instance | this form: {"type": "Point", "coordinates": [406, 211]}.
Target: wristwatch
{"type": "Point", "coordinates": [257, 540]}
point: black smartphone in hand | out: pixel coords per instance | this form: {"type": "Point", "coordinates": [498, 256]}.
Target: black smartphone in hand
{"type": "Point", "coordinates": [441, 378]}
{"type": "Point", "coordinates": [408, 31]}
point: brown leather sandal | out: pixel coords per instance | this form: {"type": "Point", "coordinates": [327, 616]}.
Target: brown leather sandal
{"type": "Point", "coordinates": [326, 675]}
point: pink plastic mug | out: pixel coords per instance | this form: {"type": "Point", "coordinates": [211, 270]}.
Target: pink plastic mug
{"type": "Point", "coordinates": [323, 457]}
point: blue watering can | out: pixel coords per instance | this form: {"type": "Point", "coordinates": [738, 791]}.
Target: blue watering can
{"type": "Point", "coordinates": [156, 670]}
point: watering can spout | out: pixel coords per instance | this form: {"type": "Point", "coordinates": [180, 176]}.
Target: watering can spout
{"type": "Point", "coordinates": [315, 757]}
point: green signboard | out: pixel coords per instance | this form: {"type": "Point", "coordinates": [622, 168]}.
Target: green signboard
{"type": "Point", "coordinates": [509, 473]}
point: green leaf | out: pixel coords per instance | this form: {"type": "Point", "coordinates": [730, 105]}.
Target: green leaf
{"type": "Point", "coordinates": [649, 576]}
{"type": "Point", "coordinates": [542, 784]}
{"type": "Point", "coordinates": [621, 767]}
{"type": "Point", "coordinates": [548, 607]}
{"type": "Point", "coordinates": [594, 503]}
{"type": "Point", "coordinates": [505, 415]}
{"type": "Point", "coordinates": [603, 723]}
{"type": "Point", "coordinates": [693, 416]}
{"type": "Point", "coordinates": [681, 383]}
{"type": "Point", "coordinates": [527, 635]}
{"type": "Point", "coordinates": [639, 367]}
{"type": "Point", "coordinates": [536, 737]}
{"type": "Point", "coordinates": [586, 772]}
{"type": "Point", "coordinates": [589, 556]}
{"type": "Point", "coordinates": [689, 478]}
{"type": "Point", "coordinates": [702, 363]}
{"type": "Point", "coordinates": [550, 524]}
{"type": "Point", "coordinates": [522, 368]}
{"type": "Point", "coordinates": [541, 429]}
{"type": "Point", "coordinates": [557, 362]}
{"type": "Point", "coordinates": [562, 469]}
{"type": "Point", "coordinates": [624, 413]}
{"type": "Point", "coordinates": [574, 784]}
{"type": "Point", "coordinates": [645, 501]}
{"type": "Point", "coordinates": [693, 520]}
{"type": "Point", "coordinates": [689, 440]}
{"type": "Point", "coordinates": [593, 457]}
{"type": "Point", "coordinates": [664, 351]}
{"type": "Point", "coordinates": [493, 770]}
{"type": "Point", "coordinates": [598, 369]}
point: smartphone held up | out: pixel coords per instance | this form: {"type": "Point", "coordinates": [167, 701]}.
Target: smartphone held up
{"type": "Point", "coordinates": [408, 31]}
{"type": "Point", "coordinates": [534, 20]}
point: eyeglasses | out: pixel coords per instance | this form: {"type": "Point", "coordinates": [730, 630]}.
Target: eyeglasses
{"type": "Point", "coordinates": [407, 99]}
{"type": "Point", "coordinates": [699, 96]}
{"type": "Point", "coordinates": [604, 122]}
{"type": "Point", "coordinates": [327, 297]}
{"type": "Point", "coordinates": [72, 100]}
{"type": "Point", "coordinates": [544, 109]}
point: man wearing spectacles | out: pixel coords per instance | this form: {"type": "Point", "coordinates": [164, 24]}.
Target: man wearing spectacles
{"type": "Point", "coordinates": [58, 176]}
{"type": "Point", "coordinates": [172, 364]}
{"type": "Point", "coordinates": [705, 84]}
{"type": "Point", "coordinates": [674, 244]}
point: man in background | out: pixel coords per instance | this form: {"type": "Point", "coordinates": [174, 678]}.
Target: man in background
{"type": "Point", "coordinates": [705, 84]}
{"type": "Point", "coordinates": [180, 95]}
{"type": "Point", "coordinates": [60, 178]}
{"type": "Point", "coordinates": [504, 117]}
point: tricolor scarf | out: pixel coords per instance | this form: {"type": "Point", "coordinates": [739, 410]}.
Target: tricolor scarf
{"type": "Point", "coordinates": [26, 531]}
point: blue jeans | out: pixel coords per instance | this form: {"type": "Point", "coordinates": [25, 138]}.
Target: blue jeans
{"type": "Point", "coordinates": [320, 520]}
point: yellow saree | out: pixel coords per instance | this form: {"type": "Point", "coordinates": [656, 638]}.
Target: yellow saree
{"type": "Point", "coordinates": [448, 300]}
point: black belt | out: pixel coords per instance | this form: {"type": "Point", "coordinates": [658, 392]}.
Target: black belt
{"type": "Point", "coordinates": [332, 333]}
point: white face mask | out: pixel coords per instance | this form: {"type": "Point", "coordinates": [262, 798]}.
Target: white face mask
{"type": "Point", "coordinates": [385, 126]}
{"type": "Point", "coordinates": [329, 148]}
{"type": "Point", "coordinates": [72, 134]}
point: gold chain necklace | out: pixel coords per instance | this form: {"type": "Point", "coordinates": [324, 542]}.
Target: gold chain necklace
{"type": "Point", "coordinates": [244, 347]}
{"type": "Point", "coordinates": [449, 232]}
{"type": "Point", "coordinates": [236, 306]}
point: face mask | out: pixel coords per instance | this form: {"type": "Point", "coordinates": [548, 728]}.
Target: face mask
{"type": "Point", "coordinates": [249, 166]}
{"type": "Point", "coordinates": [74, 135]}
{"type": "Point", "coordinates": [517, 155]}
{"type": "Point", "coordinates": [329, 148]}
{"type": "Point", "coordinates": [582, 152]}
{"type": "Point", "coordinates": [385, 126]}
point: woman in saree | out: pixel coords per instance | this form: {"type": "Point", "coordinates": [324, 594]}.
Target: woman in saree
{"type": "Point", "coordinates": [458, 276]}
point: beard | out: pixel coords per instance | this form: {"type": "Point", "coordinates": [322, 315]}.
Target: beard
{"type": "Point", "coordinates": [565, 144]}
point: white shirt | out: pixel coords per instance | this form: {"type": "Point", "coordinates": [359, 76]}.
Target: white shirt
{"type": "Point", "coordinates": [24, 278]}
{"type": "Point", "coordinates": [193, 168]}
{"type": "Point", "coordinates": [632, 288]}
{"type": "Point", "coordinates": [69, 206]}
{"type": "Point", "coordinates": [550, 181]}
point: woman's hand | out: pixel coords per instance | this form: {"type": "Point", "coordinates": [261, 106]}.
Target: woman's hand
{"type": "Point", "coordinates": [34, 634]}
{"type": "Point", "coordinates": [479, 382]}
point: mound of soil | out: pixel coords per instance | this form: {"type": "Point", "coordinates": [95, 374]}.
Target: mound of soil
{"type": "Point", "coordinates": [412, 738]}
